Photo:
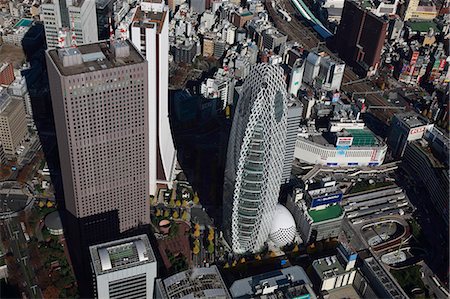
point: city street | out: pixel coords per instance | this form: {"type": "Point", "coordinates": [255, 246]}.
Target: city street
{"type": "Point", "coordinates": [18, 248]}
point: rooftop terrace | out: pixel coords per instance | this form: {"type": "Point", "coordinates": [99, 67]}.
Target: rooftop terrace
{"type": "Point", "coordinates": [328, 213]}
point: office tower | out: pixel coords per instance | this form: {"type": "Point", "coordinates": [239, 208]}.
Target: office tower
{"type": "Point", "coordinates": [296, 76]}
{"type": "Point", "coordinates": [195, 284]}
{"type": "Point", "coordinates": [13, 123]}
{"type": "Point", "coordinates": [99, 98]}
{"type": "Point", "coordinates": [69, 16]}
{"type": "Point", "coordinates": [124, 268]}
{"type": "Point", "coordinates": [406, 127]}
{"type": "Point", "coordinates": [360, 37]}
{"type": "Point", "coordinates": [323, 71]}
{"type": "Point", "coordinates": [150, 35]}
{"type": "Point", "coordinates": [255, 158]}
{"type": "Point", "coordinates": [294, 116]}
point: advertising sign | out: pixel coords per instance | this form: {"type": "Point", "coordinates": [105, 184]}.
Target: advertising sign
{"type": "Point", "coordinates": [414, 57]}
{"type": "Point", "coordinates": [344, 141]}
{"type": "Point", "coordinates": [325, 200]}
{"type": "Point", "coordinates": [416, 133]}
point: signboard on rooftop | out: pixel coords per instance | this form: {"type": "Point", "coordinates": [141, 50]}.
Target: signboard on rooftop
{"type": "Point", "coordinates": [326, 200]}
{"type": "Point", "coordinates": [344, 141]}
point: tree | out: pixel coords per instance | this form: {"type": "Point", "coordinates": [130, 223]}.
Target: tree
{"type": "Point", "coordinates": [166, 213]}
{"type": "Point", "coordinates": [196, 233]}
{"type": "Point", "coordinates": [242, 261]}
{"type": "Point", "coordinates": [178, 203]}
{"type": "Point", "coordinates": [184, 203]}
{"type": "Point", "coordinates": [258, 257]}
{"type": "Point", "coordinates": [211, 247]}
{"type": "Point", "coordinates": [226, 265]}
{"type": "Point", "coordinates": [234, 263]}
{"type": "Point", "coordinates": [196, 250]}
{"type": "Point", "coordinates": [196, 242]}
{"type": "Point", "coordinates": [49, 204]}
{"type": "Point", "coordinates": [41, 204]}
{"type": "Point", "coordinates": [158, 212]}
{"type": "Point", "coordinates": [211, 236]}
{"type": "Point", "coordinates": [172, 202]}
{"type": "Point", "coordinates": [51, 292]}
{"type": "Point", "coordinates": [175, 215]}
{"type": "Point", "coordinates": [196, 199]}
{"type": "Point", "coordinates": [295, 248]}
{"type": "Point", "coordinates": [184, 215]}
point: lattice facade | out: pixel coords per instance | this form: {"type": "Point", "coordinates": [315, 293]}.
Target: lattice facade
{"type": "Point", "coordinates": [255, 159]}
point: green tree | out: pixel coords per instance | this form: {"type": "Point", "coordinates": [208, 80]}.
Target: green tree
{"type": "Point", "coordinates": [211, 247]}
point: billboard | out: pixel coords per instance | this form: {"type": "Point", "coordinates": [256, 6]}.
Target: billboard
{"type": "Point", "coordinates": [416, 133]}
{"type": "Point", "coordinates": [325, 200]}
{"type": "Point", "coordinates": [344, 141]}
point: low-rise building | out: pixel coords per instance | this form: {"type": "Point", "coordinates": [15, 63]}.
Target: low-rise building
{"type": "Point", "coordinates": [196, 283]}
{"type": "Point", "coordinates": [124, 268]}
{"type": "Point", "coordinates": [380, 280]}
{"type": "Point", "coordinates": [348, 148]}
{"type": "Point", "coordinates": [291, 282]}
{"type": "Point", "coordinates": [317, 210]}
{"type": "Point", "coordinates": [336, 271]}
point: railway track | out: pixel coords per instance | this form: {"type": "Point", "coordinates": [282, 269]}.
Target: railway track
{"type": "Point", "coordinates": [297, 30]}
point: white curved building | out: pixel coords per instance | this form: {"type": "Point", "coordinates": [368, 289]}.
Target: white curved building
{"type": "Point", "coordinates": [255, 158]}
{"type": "Point", "coordinates": [149, 33]}
{"type": "Point", "coordinates": [283, 229]}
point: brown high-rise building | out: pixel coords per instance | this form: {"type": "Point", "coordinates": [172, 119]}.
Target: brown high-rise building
{"type": "Point", "coordinates": [99, 98]}
{"type": "Point", "coordinates": [360, 37]}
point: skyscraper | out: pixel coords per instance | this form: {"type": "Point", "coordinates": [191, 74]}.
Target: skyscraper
{"type": "Point", "coordinates": [255, 158]}
{"type": "Point", "coordinates": [99, 98]}
{"type": "Point", "coordinates": [124, 268]}
{"type": "Point", "coordinates": [360, 37]}
{"type": "Point", "coordinates": [69, 16]}
{"type": "Point", "coordinates": [294, 117]}
{"type": "Point", "coordinates": [150, 35]}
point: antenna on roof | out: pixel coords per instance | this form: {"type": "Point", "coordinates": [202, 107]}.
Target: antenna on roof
{"type": "Point", "coordinates": [74, 37]}
{"type": "Point", "coordinates": [111, 32]}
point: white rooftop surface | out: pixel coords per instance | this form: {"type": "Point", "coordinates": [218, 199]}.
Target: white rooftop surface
{"type": "Point", "coordinates": [121, 254]}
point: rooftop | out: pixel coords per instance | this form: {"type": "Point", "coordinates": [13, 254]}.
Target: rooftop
{"type": "Point", "coordinates": [121, 254]}
{"type": "Point", "coordinates": [283, 278]}
{"type": "Point", "coordinates": [390, 285]}
{"type": "Point", "coordinates": [328, 213]}
{"type": "Point", "coordinates": [149, 19]}
{"type": "Point", "coordinates": [328, 267]}
{"type": "Point", "coordinates": [362, 137]}
{"type": "Point", "coordinates": [93, 57]}
{"type": "Point", "coordinates": [195, 283]}
{"type": "Point", "coordinates": [411, 119]}
{"type": "Point", "coordinates": [422, 26]}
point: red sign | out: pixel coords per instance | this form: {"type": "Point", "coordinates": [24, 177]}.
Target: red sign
{"type": "Point", "coordinates": [414, 57]}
